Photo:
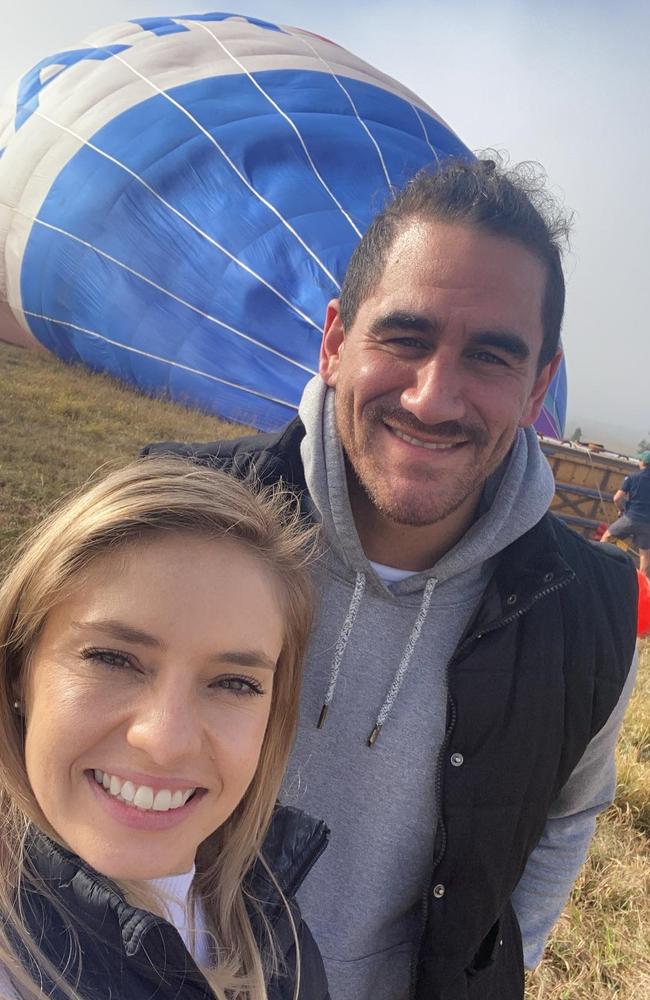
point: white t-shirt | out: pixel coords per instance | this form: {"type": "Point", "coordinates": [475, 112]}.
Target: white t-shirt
{"type": "Point", "coordinates": [175, 892]}
{"type": "Point", "coordinates": [390, 574]}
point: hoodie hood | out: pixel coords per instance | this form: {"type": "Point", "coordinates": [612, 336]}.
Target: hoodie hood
{"type": "Point", "coordinates": [514, 498]}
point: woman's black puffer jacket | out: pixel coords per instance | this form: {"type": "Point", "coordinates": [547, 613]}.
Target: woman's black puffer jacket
{"type": "Point", "coordinates": [131, 954]}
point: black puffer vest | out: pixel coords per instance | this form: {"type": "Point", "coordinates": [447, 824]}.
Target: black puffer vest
{"type": "Point", "coordinates": [535, 678]}
{"type": "Point", "coordinates": [131, 954]}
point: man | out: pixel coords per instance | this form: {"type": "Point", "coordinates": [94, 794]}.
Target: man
{"type": "Point", "coordinates": [633, 503]}
{"type": "Point", "coordinates": [467, 671]}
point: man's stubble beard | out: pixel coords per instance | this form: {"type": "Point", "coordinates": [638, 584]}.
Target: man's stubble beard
{"type": "Point", "coordinates": [448, 491]}
{"type": "Point", "coordinates": [416, 512]}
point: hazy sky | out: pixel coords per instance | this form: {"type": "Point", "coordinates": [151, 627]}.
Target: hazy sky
{"type": "Point", "coordinates": [563, 82]}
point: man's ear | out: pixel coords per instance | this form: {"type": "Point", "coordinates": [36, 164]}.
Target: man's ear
{"type": "Point", "coordinates": [332, 344]}
{"type": "Point", "coordinates": [535, 401]}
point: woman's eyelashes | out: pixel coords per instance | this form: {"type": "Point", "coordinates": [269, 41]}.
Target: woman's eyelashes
{"type": "Point", "coordinates": [114, 659]}
{"type": "Point", "coordinates": [111, 658]}
{"type": "Point", "coordinates": [239, 685]}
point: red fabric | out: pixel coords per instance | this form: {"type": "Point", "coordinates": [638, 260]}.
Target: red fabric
{"type": "Point", "coordinates": [643, 624]}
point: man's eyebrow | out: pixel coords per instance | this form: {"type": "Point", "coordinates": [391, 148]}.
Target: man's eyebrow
{"type": "Point", "coordinates": [505, 340]}
{"type": "Point", "coordinates": [409, 322]}
{"type": "Point", "coordinates": [118, 630]}
{"type": "Point", "coordinates": [402, 320]}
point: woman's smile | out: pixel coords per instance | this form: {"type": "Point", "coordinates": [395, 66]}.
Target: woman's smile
{"type": "Point", "coordinates": [137, 807]}
{"type": "Point", "coordinates": [171, 795]}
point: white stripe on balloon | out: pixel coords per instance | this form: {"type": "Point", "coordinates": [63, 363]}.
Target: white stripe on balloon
{"type": "Point", "coordinates": [425, 134]}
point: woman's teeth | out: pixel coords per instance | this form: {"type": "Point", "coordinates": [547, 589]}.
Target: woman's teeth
{"type": "Point", "coordinates": [142, 796]}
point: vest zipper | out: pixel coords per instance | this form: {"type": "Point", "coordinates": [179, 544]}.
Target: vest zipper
{"type": "Point", "coordinates": [441, 829]}
{"type": "Point", "coordinates": [517, 614]}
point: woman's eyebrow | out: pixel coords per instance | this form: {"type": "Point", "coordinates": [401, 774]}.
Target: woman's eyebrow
{"type": "Point", "coordinates": [127, 633]}
{"type": "Point", "coordinates": [245, 658]}
{"type": "Point", "coordinates": [118, 630]}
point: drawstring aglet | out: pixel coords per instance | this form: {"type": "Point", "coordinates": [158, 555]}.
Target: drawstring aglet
{"type": "Point", "coordinates": [372, 739]}
{"type": "Point", "coordinates": [323, 715]}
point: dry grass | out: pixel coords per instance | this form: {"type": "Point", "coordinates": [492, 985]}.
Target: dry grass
{"type": "Point", "coordinates": [60, 424]}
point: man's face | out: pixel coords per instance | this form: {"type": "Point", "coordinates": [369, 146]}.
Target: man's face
{"type": "Point", "coordinates": [439, 369]}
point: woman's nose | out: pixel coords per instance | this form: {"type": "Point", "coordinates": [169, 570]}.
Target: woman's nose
{"type": "Point", "coordinates": [167, 728]}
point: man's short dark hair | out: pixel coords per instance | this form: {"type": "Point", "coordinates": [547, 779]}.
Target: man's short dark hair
{"type": "Point", "coordinates": [508, 202]}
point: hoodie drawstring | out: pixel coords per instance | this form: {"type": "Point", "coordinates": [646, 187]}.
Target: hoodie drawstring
{"type": "Point", "coordinates": [400, 673]}
{"type": "Point", "coordinates": [341, 643]}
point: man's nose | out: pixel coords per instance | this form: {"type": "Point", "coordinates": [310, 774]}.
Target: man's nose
{"type": "Point", "coordinates": [167, 728]}
{"type": "Point", "coordinates": [436, 393]}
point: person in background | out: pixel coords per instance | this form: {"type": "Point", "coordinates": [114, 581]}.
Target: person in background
{"type": "Point", "coordinates": [151, 638]}
{"type": "Point", "coordinates": [470, 659]}
{"type": "Point", "coordinates": [633, 503]}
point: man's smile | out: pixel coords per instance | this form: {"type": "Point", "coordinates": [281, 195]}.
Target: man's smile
{"type": "Point", "coordinates": [422, 443]}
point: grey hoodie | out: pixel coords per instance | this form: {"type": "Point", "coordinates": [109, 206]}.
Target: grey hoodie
{"type": "Point", "coordinates": [379, 653]}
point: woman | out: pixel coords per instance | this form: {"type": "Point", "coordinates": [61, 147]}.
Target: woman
{"type": "Point", "coordinates": [151, 634]}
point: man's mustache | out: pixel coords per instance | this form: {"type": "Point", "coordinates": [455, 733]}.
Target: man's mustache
{"type": "Point", "coordinates": [449, 430]}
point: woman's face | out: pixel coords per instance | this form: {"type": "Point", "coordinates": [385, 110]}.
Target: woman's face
{"type": "Point", "coordinates": [148, 695]}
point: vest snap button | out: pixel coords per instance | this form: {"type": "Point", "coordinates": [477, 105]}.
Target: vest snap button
{"type": "Point", "coordinates": [511, 599]}
{"type": "Point", "coordinates": [548, 577]}
{"type": "Point", "coordinates": [438, 891]}
{"type": "Point", "coordinates": [457, 759]}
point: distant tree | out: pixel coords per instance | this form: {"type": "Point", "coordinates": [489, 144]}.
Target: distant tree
{"type": "Point", "coordinates": [577, 434]}
{"type": "Point", "coordinates": [643, 445]}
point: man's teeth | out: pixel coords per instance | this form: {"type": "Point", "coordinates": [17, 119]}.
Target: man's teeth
{"type": "Point", "coordinates": [142, 796]}
{"type": "Point", "coordinates": [431, 445]}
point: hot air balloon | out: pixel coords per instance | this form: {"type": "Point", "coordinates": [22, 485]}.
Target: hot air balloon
{"type": "Point", "coordinates": [180, 196]}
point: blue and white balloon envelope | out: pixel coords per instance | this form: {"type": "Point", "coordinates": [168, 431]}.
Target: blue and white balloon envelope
{"type": "Point", "coordinates": [179, 199]}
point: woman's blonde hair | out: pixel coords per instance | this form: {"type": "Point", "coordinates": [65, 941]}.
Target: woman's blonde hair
{"type": "Point", "coordinates": [147, 498]}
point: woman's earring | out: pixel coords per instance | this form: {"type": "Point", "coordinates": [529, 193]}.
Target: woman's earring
{"type": "Point", "coordinates": [17, 705]}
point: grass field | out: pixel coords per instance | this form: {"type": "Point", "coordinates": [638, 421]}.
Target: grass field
{"type": "Point", "coordinates": [58, 425]}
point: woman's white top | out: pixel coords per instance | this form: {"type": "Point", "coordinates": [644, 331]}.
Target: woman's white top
{"type": "Point", "coordinates": [175, 893]}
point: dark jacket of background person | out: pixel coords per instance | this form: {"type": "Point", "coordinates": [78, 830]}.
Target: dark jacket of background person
{"type": "Point", "coordinates": [547, 653]}
{"type": "Point", "coordinates": [637, 488]}
{"type": "Point", "coordinates": [132, 954]}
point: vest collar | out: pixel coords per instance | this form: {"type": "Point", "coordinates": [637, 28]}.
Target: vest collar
{"type": "Point", "coordinates": [293, 844]}
{"type": "Point", "coordinates": [526, 571]}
